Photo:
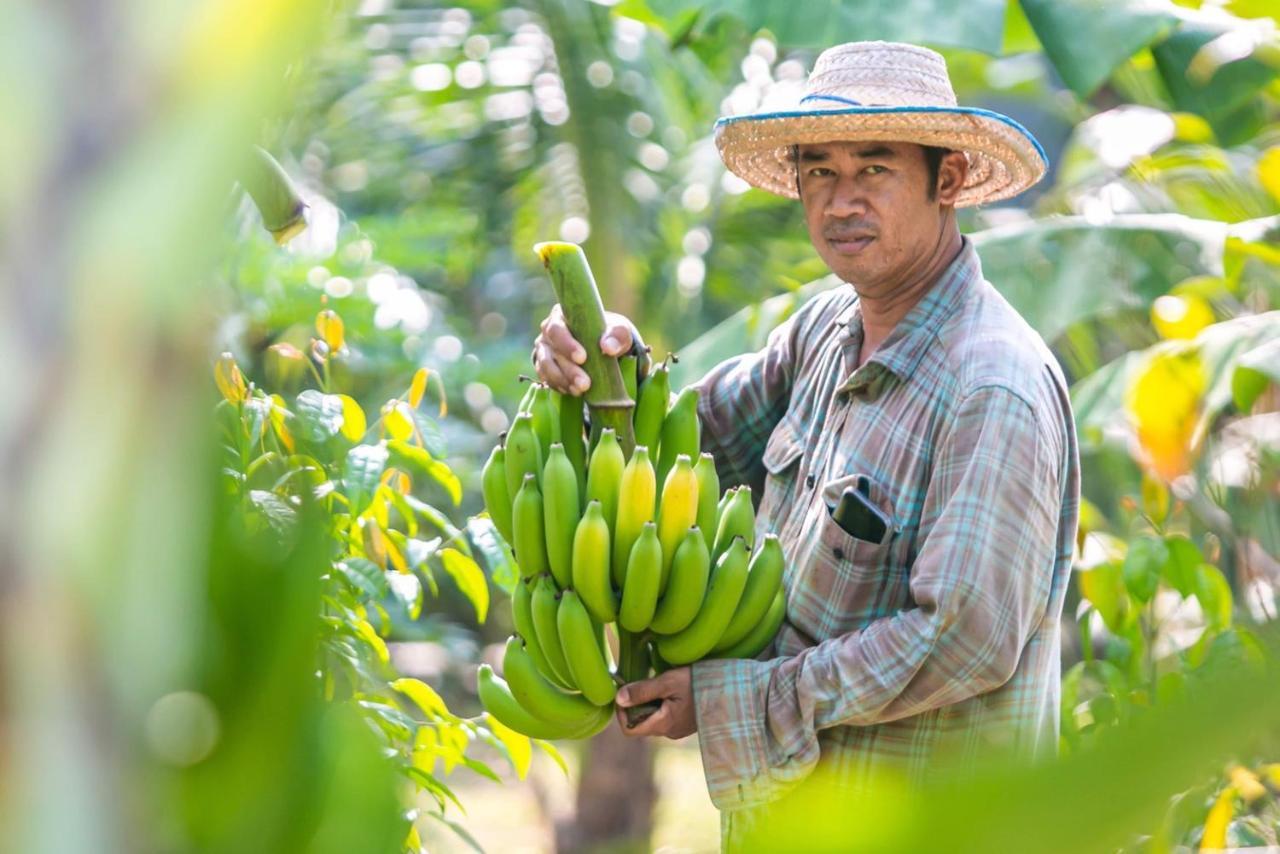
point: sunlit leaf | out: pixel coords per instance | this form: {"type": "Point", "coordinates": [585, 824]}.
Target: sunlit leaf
{"type": "Point", "coordinates": [497, 555]}
{"type": "Point", "coordinates": [364, 629]}
{"type": "Point", "coordinates": [1214, 836]}
{"type": "Point", "coordinates": [1184, 561]}
{"type": "Point", "coordinates": [1103, 585]}
{"type": "Point", "coordinates": [550, 749]}
{"type": "Point", "coordinates": [274, 509]}
{"type": "Point", "coordinates": [1269, 171]}
{"type": "Point", "coordinates": [1255, 371]}
{"type": "Point", "coordinates": [519, 747]}
{"type": "Point", "coordinates": [407, 588]}
{"type": "Point", "coordinates": [469, 578]}
{"type": "Point", "coordinates": [1155, 499]}
{"type": "Point", "coordinates": [418, 387]}
{"type": "Point", "coordinates": [330, 329]}
{"type": "Point", "coordinates": [374, 542]}
{"type": "Point", "coordinates": [1182, 316]}
{"type": "Point", "coordinates": [229, 380]}
{"type": "Point", "coordinates": [1142, 565]}
{"type": "Point", "coordinates": [364, 574]}
{"type": "Point", "coordinates": [397, 419]}
{"type": "Point", "coordinates": [1214, 593]}
{"type": "Point", "coordinates": [320, 415]}
{"type": "Point", "coordinates": [1164, 404]}
{"type": "Point", "coordinates": [423, 696]}
{"type": "Point", "coordinates": [411, 456]}
{"type": "Point", "coordinates": [1088, 39]}
{"type": "Point", "coordinates": [353, 421]}
{"type": "Point", "coordinates": [361, 474]}
{"type": "Point", "coordinates": [430, 435]}
{"type": "Point", "coordinates": [280, 416]}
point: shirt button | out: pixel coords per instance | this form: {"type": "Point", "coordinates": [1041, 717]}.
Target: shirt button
{"type": "Point", "coordinates": [809, 481]}
{"type": "Point", "coordinates": [839, 554]}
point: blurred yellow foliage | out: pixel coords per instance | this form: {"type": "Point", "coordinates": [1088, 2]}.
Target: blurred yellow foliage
{"type": "Point", "coordinates": [1163, 404]}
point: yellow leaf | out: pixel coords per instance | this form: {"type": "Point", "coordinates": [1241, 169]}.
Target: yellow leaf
{"type": "Point", "coordinates": [1246, 783]}
{"type": "Point", "coordinates": [1188, 127]}
{"type": "Point", "coordinates": [1181, 317]}
{"type": "Point", "coordinates": [365, 630]}
{"type": "Point", "coordinates": [375, 544]}
{"type": "Point", "coordinates": [397, 417]}
{"type": "Point", "coordinates": [396, 559]}
{"type": "Point", "coordinates": [279, 423]}
{"type": "Point", "coordinates": [353, 421]}
{"type": "Point", "coordinates": [519, 747]}
{"type": "Point", "coordinates": [423, 696]}
{"type": "Point", "coordinates": [469, 578]}
{"type": "Point", "coordinates": [418, 387]}
{"type": "Point", "coordinates": [1155, 499]}
{"type": "Point", "coordinates": [412, 841]}
{"type": "Point", "coordinates": [425, 748]}
{"type": "Point", "coordinates": [230, 382]}
{"type": "Point", "coordinates": [1269, 171]}
{"type": "Point", "coordinates": [1215, 824]}
{"type": "Point", "coordinates": [330, 329]}
{"type": "Point", "coordinates": [1272, 773]}
{"type": "Point", "coordinates": [1163, 404]}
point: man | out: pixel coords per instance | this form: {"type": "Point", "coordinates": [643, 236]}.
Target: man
{"type": "Point", "coordinates": [921, 388]}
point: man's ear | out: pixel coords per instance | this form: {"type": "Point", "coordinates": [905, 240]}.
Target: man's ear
{"type": "Point", "coordinates": [952, 172]}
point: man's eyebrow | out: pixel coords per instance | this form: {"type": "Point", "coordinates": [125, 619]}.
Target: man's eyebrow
{"type": "Point", "coordinates": [813, 156]}
{"type": "Point", "coordinates": [879, 151]}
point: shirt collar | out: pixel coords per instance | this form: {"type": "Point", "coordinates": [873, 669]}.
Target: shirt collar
{"type": "Point", "coordinates": [901, 352]}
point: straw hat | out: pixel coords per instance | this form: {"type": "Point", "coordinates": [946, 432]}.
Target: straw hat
{"type": "Point", "coordinates": [889, 92]}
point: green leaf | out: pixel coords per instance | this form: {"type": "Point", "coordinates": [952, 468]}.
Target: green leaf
{"type": "Point", "coordinates": [360, 474]}
{"type": "Point", "coordinates": [1214, 593]}
{"type": "Point", "coordinates": [430, 784]}
{"type": "Point", "coordinates": [461, 831]}
{"type": "Point", "coordinates": [933, 22]}
{"type": "Point", "coordinates": [417, 459]}
{"type": "Point", "coordinates": [481, 768]}
{"type": "Point", "coordinates": [432, 438]}
{"type": "Point", "coordinates": [273, 509]}
{"type": "Point", "coordinates": [1086, 40]}
{"type": "Point", "coordinates": [1183, 563]}
{"type": "Point", "coordinates": [365, 575]}
{"type": "Point", "coordinates": [1255, 370]}
{"type": "Point", "coordinates": [1103, 585]}
{"type": "Point", "coordinates": [550, 749]}
{"type": "Point", "coordinates": [470, 580]}
{"type": "Point", "coordinates": [424, 696]}
{"type": "Point", "coordinates": [1142, 565]}
{"type": "Point", "coordinates": [320, 415]}
{"type": "Point", "coordinates": [501, 564]}
{"type": "Point", "coordinates": [407, 589]}
{"type": "Point", "coordinates": [1198, 87]}
{"type": "Point", "coordinates": [518, 746]}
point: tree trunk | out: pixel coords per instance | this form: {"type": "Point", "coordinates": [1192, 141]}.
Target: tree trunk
{"type": "Point", "coordinates": [616, 796]}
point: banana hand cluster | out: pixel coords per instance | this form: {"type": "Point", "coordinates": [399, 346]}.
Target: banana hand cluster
{"type": "Point", "coordinates": [643, 551]}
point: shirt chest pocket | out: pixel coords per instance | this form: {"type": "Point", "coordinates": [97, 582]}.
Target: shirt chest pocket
{"type": "Point", "coordinates": [782, 467]}
{"type": "Point", "coordinates": [859, 546]}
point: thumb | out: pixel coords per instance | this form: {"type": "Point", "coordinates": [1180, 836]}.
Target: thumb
{"type": "Point", "coordinates": [617, 337]}
{"type": "Point", "coordinates": [636, 693]}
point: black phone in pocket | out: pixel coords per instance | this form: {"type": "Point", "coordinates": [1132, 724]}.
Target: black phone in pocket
{"type": "Point", "coordinates": [857, 516]}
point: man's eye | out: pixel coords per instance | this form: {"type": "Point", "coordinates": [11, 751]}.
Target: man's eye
{"type": "Point", "coordinates": [875, 169]}
{"type": "Point", "coordinates": [819, 172]}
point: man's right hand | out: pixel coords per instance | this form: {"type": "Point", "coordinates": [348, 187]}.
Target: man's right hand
{"type": "Point", "coordinates": [557, 355]}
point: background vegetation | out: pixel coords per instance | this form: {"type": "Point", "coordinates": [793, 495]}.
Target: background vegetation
{"type": "Point", "coordinates": [244, 596]}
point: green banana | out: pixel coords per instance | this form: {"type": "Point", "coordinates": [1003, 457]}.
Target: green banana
{"type": "Point", "coordinates": [764, 579]}
{"type": "Point", "coordinates": [528, 529]}
{"type": "Point", "coordinates": [681, 433]}
{"type": "Point", "coordinates": [560, 513]}
{"type": "Point", "coordinates": [644, 572]}
{"type": "Point", "coordinates": [627, 364]}
{"type": "Point", "coordinates": [495, 695]}
{"type": "Point", "coordinates": [497, 500]}
{"type": "Point", "coordinates": [523, 453]}
{"type": "Point", "coordinates": [737, 520]}
{"type": "Point", "coordinates": [636, 495]}
{"type": "Point", "coordinates": [522, 619]}
{"type": "Point", "coordinates": [604, 476]}
{"type": "Point", "coordinates": [580, 636]}
{"type": "Point", "coordinates": [546, 420]}
{"type": "Point", "coordinates": [545, 603]}
{"type": "Point", "coordinates": [651, 407]}
{"type": "Point", "coordinates": [687, 586]}
{"type": "Point", "coordinates": [591, 576]}
{"type": "Point", "coordinates": [526, 399]}
{"type": "Point", "coordinates": [725, 589]}
{"type": "Point", "coordinates": [573, 438]}
{"type": "Point", "coordinates": [708, 497]}
{"type": "Point", "coordinates": [537, 695]}
{"type": "Point", "coordinates": [761, 634]}
{"type": "Point", "coordinates": [677, 511]}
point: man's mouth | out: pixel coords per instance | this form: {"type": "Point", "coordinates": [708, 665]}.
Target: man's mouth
{"type": "Point", "coordinates": [849, 244]}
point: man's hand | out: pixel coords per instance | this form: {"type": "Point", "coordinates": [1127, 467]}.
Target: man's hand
{"type": "Point", "coordinates": [674, 689]}
{"type": "Point", "coordinates": [557, 355]}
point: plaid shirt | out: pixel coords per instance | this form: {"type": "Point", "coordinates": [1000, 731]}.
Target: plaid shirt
{"type": "Point", "coordinates": [942, 640]}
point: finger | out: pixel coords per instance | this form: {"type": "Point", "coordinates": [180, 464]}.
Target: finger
{"type": "Point", "coordinates": [557, 335]}
{"type": "Point", "coordinates": [643, 691]}
{"type": "Point", "coordinates": [656, 724]}
{"type": "Point", "coordinates": [617, 336]}
{"type": "Point", "coordinates": [549, 370]}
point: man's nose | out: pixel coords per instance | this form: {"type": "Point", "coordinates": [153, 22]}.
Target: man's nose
{"type": "Point", "coordinates": [847, 199]}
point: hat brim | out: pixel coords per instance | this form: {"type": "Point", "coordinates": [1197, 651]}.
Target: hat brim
{"type": "Point", "coordinates": [1004, 158]}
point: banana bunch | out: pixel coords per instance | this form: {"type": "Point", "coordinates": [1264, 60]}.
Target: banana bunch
{"type": "Point", "coordinates": [646, 545]}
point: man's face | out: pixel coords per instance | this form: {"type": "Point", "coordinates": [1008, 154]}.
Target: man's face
{"type": "Point", "coordinates": [868, 208]}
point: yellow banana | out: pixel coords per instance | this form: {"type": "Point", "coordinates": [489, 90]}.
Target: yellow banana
{"type": "Point", "coordinates": [580, 637]}
{"type": "Point", "coordinates": [698, 638]}
{"type": "Point", "coordinates": [604, 475]}
{"type": "Point", "coordinates": [687, 586]}
{"type": "Point", "coordinates": [495, 695]}
{"type": "Point", "coordinates": [677, 511]}
{"type": "Point", "coordinates": [708, 497]}
{"type": "Point", "coordinates": [737, 520]}
{"type": "Point", "coordinates": [545, 603]}
{"type": "Point", "coordinates": [537, 695]}
{"type": "Point", "coordinates": [523, 453]}
{"type": "Point", "coordinates": [636, 495]}
{"type": "Point", "coordinates": [528, 529]}
{"type": "Point", "coordinates": [591, 576]}
{"type": "Point", "coordinates": [560, 513]}
{"type": "Point", "coordinates": [644, 572]}
{"type": "Point", "coordinates": [761, 634]}
{"type": "Point", "coordinates": [764, 578]}
{"type": "Point", "coordinates": [497, 500]}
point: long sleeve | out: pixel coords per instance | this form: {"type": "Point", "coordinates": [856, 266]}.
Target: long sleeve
{"type": "Point", "coordinates": [980, 584]}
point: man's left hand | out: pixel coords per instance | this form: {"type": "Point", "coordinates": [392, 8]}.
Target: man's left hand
{"type": "Point", "coordinates": [676, 717]}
